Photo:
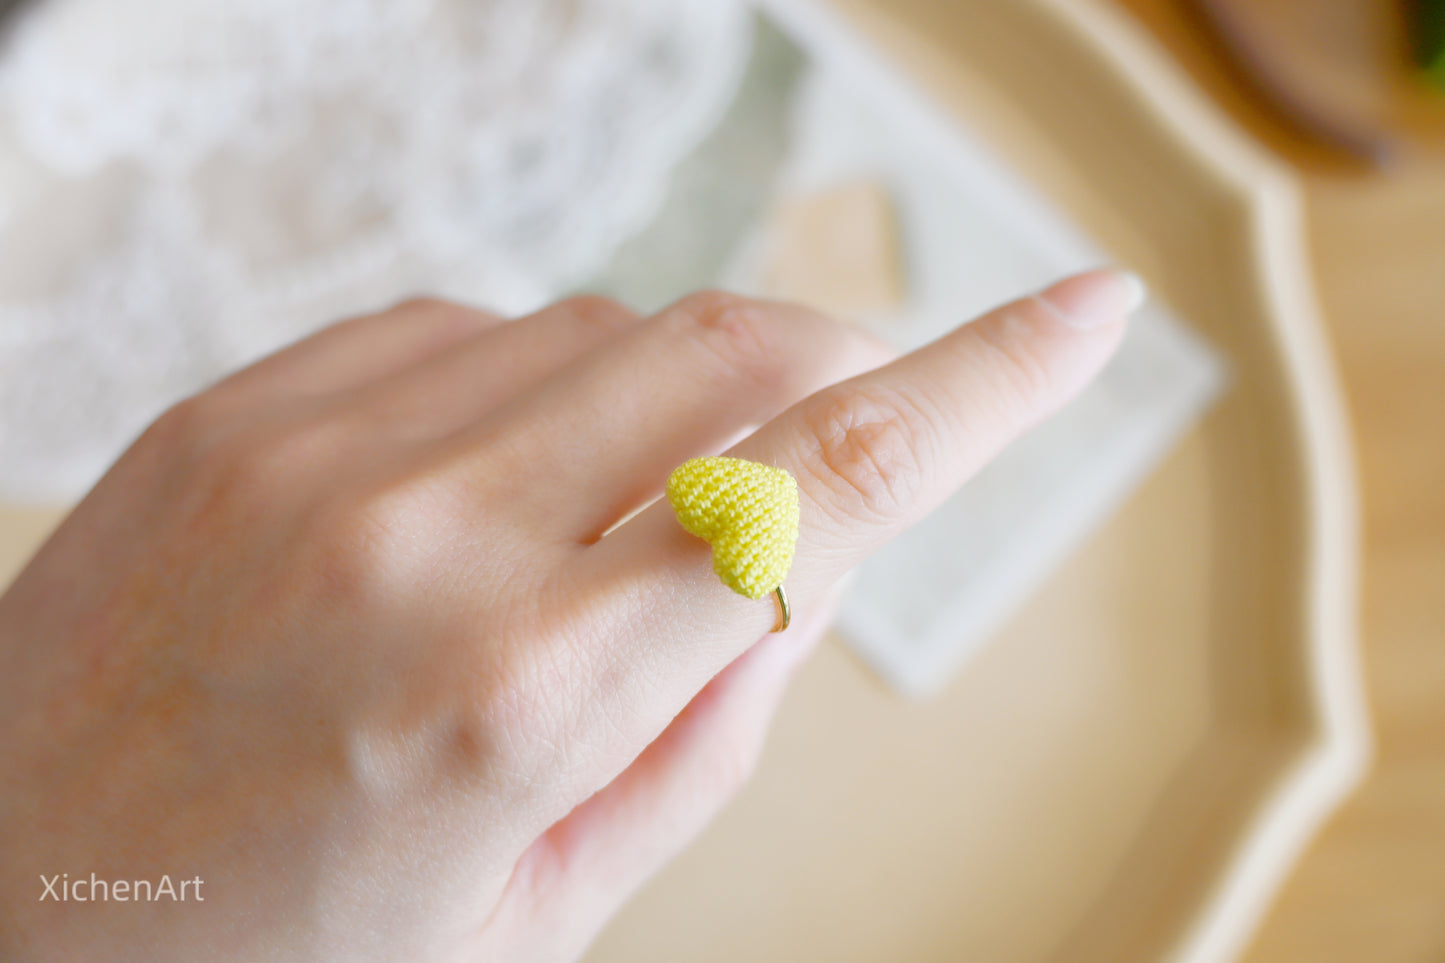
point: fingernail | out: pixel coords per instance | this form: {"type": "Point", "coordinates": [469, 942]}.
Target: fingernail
{"type": "Point", "coordinates": [1095, 299]}
{"type": "Point", "coordinates": [1138, 291]}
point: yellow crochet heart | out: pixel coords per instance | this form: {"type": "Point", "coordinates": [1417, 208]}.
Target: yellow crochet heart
{"type": "Point", "coordinates": [747, 512]}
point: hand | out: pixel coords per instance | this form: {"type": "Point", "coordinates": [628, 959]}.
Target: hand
{"type": "Point", "coordinates": [355, 637]}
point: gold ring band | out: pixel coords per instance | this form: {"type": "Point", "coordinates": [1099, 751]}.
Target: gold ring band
{"type": "Point", "coordinates": [785, 612]}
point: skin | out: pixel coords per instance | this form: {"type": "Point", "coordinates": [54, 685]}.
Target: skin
{"type": "Point", "coordinates": [389, 641]}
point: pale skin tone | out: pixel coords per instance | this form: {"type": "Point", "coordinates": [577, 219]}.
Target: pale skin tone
{"type": "Point", "coordinates": [356, 637]}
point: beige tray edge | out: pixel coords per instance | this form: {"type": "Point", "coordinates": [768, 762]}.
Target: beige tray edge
{"type": "Point", "coordinates": [1338, 756]}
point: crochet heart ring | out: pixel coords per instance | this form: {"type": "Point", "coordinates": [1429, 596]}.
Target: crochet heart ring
{"type": "Point", "coordinates": [748, 513]}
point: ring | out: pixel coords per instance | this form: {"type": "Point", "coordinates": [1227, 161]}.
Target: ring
{"type": "Point", "coordinates": [748, 513]}
{"type": "Point", "coordinates": [785, 613]}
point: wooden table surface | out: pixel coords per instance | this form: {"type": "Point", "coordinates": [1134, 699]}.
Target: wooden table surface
{"type": "Point", "coordinates": [1372, 887]}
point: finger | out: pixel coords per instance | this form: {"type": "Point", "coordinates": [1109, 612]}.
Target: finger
{"type": "Point", "coordinates": [455, 388]}
{"type": "Point", "coordinates": [872, 455]}
{"type": "Point", "coordinates": [592, 861]}
{"type": "Point", "coordinates": [682, 382]}
{"type": "Point", "coordinates": [354, 352]}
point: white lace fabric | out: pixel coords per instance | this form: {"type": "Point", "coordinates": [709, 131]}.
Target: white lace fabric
{"type": "Point", "coordinates": [187, 184]}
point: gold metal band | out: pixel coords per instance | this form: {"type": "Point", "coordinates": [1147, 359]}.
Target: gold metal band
{"type": "Point", "coordinates": [785, 613]}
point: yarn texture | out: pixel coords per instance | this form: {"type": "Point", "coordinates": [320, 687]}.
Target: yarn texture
{"type": "Point", "coordinates": [747, 512]}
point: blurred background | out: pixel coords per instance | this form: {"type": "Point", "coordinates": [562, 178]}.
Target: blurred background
{"type": "Point", "coordinates": [1125, 720]}
{"type": "Point", "coordinates": [1349, 94]}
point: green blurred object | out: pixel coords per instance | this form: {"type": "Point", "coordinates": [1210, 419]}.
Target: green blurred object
{"type": "Point", "coordinates": [1429, 26]}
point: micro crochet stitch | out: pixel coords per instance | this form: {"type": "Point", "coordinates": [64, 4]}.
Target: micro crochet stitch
{"type": "Point", "coordinates": [747, 512]}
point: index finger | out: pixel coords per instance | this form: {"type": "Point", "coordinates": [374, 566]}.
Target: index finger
{"type": "Point", "coordinates": [872, 456]}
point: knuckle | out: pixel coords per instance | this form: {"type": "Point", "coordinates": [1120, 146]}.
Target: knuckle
{"type": "Point", "coordinates": [864, 450]}
{"type": "Point", "coordinates": [449, 740]}
{"type": "Point", "coordinates": [182, 441]}
{"type": "Point", "coordinates": [237, 471]}
{"type": "Point", "coordinates": [438, 313]}
{"type": "Point", "coordinates": [527, 688]}
{"type": "Point", "coordinates": [531, 674]}
{"type": "Point", "coordinates": [259, 466]}
{"type": "Point", "coordinates": [380, 533]}
{"type": "Point", "coordinates": [597, 311]}
{"type": "Point", "coordinates": [260, 459]}
{"type": "Point", "coordinates": [181, 427]}
{"type": "Point", "coordinates": [422, 305]}
{"type": "Point", "coordinates": [739, 333]}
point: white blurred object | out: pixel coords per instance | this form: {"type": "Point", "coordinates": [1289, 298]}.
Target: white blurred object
{"type": "Point", "coordinates": [187, 184]}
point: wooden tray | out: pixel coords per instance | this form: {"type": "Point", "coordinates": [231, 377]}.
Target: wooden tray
{"type": "Point", "coordinates": [1130, 769]}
